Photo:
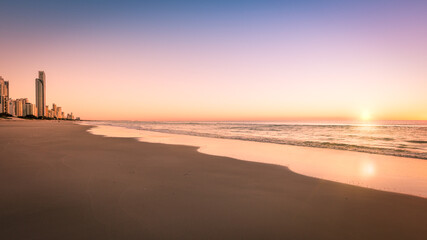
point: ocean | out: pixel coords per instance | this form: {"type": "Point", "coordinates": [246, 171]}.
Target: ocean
{"type": "Point", "coordinates": [396, 138]}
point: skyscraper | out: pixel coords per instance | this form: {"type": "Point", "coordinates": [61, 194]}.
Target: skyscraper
{"type": "Point", "coordinates": [41, 94]}
{"type": "Point", "coordinates": [59, 112]}
{"type": "Point", "coordinates": [54, 111]}
{"type": "Point", "coordinates": [4, 87]}
{"type": "Point", "coordinates": [4, 95]}
{"type": "Point", "coordinates": [12, 107]}
{"type": "Point", "coordinates": [30, 110]}
{"type": "Point", "coordinates": [19, 107]}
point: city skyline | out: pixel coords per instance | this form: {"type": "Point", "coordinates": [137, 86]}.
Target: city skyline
{"type": "Point", "coordinates": [229, 60]}
{"type": "Point", "coordinates": [22, 107]}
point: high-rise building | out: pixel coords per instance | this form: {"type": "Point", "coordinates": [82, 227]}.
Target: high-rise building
{"type": "Point", "coordinates": [19, 106]}
{"type": "Point", "coordinates": [4, 96]}
{"type": "Point", "coordinates": [41, 94]}
{"type": "Point", "coordinates": [54, 110]}
{"type": "Point", "coordinates": [4, 87]}
{"type": "Point", "coordinates": [12, 104]}
{"type": "Point", "coordinates": [30, 109]}
{"type": "Point", "coordinates": [3, 104]}
{"type": "Point", "coordinates": [50, 114]}
{"type": "Point", "coordinates": [59, 112]}
{"type": "Point", "coordinates": [70, 116]}
{"type": "Point", "coordinates": [6, 83]}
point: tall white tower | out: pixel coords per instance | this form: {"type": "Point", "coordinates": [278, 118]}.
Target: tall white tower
{"type": "Point", "coordinates": [41, 94]}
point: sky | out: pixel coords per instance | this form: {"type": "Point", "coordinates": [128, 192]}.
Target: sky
{"type": "Point", "coordinates": [220, 60]}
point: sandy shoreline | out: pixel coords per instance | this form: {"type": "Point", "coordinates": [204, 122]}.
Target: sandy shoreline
{"type": "Point", "coordinates": [60, 182]}
{"type": "Point", "coordinates": [376, 171]}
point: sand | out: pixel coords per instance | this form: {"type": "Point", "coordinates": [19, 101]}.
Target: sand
{"type": "Point", "coordinates": [59, 182]}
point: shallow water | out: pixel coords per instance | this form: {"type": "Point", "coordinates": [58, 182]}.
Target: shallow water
{"type": "Point", "coordinates": [388, 173]}
{"type": "Point", "coordinates": [396, 138]}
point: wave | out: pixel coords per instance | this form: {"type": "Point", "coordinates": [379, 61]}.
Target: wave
{"type": "Point", "coordinates": [384, 145]}
{"type": "Point", "coordinates": [338, 146]}
{"type": "Point", "coordinates": [416, 141]}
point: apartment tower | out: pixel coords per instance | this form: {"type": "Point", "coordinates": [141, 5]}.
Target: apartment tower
{"type": "Point", "coordinates": [4, 96]}
{"type": "Point", "coordinates": [41, 94]}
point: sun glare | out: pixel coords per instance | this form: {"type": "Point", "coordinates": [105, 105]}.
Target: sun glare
{"type": "Point", "coordinates": [366, 116]}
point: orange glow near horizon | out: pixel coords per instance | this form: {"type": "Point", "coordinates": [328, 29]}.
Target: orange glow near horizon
{"type": "Point", "coordinates": [223, 68]}
{"type": "Point", "coordinates": [156, 100]}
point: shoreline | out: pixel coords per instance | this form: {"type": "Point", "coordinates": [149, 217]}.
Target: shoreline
{"type": "Point", "coordinates": [309, 144]}
{"type": "Point", "coordinates": [375, 171]}
{"type": "Point", "coordinates": [59, 181]}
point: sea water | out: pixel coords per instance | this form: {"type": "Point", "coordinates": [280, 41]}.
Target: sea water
{"type": "Point", "coordinates": [397, 138]}
{"type": "Point", "coordinates": [389, 157]}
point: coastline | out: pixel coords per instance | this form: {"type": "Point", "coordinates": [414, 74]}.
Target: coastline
{"type": "Point", "coordinates": [376, 171]}
{"type": "Point", "coordinates": [59, 181]}
{"type": "Point", "coordinates": [315, 140]}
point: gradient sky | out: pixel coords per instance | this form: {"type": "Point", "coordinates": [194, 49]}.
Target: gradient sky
{"type": "Point", "coordinates": [220, 60]}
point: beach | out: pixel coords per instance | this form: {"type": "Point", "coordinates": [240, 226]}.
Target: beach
{"type": "Point", "coordinates": [60, 182]}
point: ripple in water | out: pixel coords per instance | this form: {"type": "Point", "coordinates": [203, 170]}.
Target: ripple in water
{"type": "Point", "coordinates": [396, 138]}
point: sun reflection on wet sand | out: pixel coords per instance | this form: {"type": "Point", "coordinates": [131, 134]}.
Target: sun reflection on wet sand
{"type": "Point", "coordinates": [389, 173]}
{"type": "Point", "coordinates": [367, 169]}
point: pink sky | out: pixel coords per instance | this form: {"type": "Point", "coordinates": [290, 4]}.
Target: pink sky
{"type": "Point", "coordinates": [230, 68]}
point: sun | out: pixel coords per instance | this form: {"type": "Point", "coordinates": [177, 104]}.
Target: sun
{"type": "Point", "coordinates": [366, 116]}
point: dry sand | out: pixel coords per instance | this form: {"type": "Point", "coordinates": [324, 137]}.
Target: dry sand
{"type": "Point", "coordinates": [59, 182]}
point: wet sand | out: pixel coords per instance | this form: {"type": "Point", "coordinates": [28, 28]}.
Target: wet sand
{"type": "Point", "coordinates": [59, 182]}
{"type": "Point", "coordinates": [381, 172]}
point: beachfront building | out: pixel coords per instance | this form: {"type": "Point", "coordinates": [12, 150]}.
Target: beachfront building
{"type": "Point", "coordinates": [49, 113]}
{"type": "Point", "coordinates": [4, 104]}
{"type": "Point", "coordinates": [70, 116]}
{"type": "Point", "coordinates": [59, 112]}
{"type": "Point", "coordinates": [30, 110]}
{"type": "Point", "coordinates": [11, 109]}
{"type": "Point", "coordinates": [19, 106]}
{"type": "Point", "coordinates": [41, 94]}
{"type": "Point", "coordinates": [4, 96]}
{"type": "Point", "coordinates": [4, 87]}
{"type": "Point", "coordinates": [54, 110]}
